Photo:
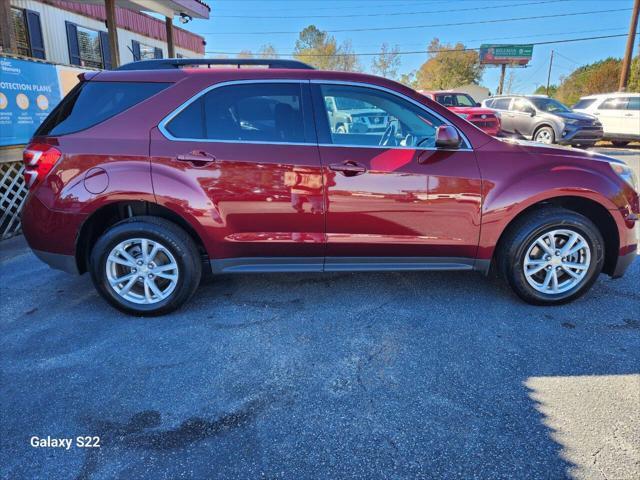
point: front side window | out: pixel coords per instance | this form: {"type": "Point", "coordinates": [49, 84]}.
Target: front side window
{"type": "Point", "coordinates": [246, 112]}
{"type": "Point", "coordinates": [549, 105]}
{"type": "Point", "coordinates": [368, 117]}
{"type": "Point", "coordinates": [521, 105]}
{"type": "Point", "coordinates": [633, 103]}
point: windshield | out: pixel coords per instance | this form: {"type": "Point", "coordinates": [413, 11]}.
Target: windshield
{"type": "Point", "coordinates": [455, 100]}
{"type": "Point", "coordinates": [549, 105]}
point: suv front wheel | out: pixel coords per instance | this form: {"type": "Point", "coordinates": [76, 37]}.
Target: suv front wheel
{"type": "Point", "coordinates": [145, 266]}
{"type": "Point", "coordinates": [552, 256]}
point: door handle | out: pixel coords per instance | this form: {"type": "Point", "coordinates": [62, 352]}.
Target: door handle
{"type": "Point", "coordinates": [628, 114]}
{"type": "Point", "coordinates": [197, 157]}
{"type": "Point", "coordinates": [348, 168]}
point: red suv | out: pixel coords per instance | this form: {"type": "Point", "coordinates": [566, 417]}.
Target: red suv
{"type": "Point", "coordinates": [465, 106]}
{"type": "Point", "coordinates": [153, 175]}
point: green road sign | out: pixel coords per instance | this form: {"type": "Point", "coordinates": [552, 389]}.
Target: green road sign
{"type": "Point", "coordinates": [494, 54]}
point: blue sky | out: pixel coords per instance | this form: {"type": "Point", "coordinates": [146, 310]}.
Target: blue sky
{"type": "Point", "coordinates": [231, 28]}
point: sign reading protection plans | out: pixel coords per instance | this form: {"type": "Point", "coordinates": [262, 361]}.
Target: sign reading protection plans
{"type": "Point", "coordinates": [28, 93]}
{"type": "Point", "coordinates": [493, 54]}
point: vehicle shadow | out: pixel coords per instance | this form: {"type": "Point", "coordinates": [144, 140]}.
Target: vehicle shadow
{"type": "Point", "coordinates": [368, 375]}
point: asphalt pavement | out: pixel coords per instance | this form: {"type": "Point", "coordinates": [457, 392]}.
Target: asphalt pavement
{"type": "Point", "coordinates": [363, 375]}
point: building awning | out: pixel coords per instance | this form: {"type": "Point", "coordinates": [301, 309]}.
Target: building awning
{"type": "Point", "coordinates": [167, 8]}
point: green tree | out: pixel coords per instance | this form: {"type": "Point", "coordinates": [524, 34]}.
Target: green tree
{"type": "Point", "coordinates": [634, 76]}
{"type": "Point", "coordinates": [449, 66]}
{"type": "Point", "coordinates": [387, 62]}
{"type": "Point", "coordinates": [599, 77]}
{"type": "Point", "coordinates": [321, 50]}
{"type": "Point", "coordinates": [542, 90]}
{"type": "Point", "coordinates": [267, 51]}
{"type": "Point", "coordinates": [245, 54]}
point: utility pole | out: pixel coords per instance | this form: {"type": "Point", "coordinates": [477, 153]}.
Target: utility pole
{"type": "Point", "coordinates": [112, 30]}
{"type": "Point", "coordinates": [626, 62]}
{"type": "Point", "coordinates": [503, 68]}
{"type": "Point", "coordinates": [549, 74]}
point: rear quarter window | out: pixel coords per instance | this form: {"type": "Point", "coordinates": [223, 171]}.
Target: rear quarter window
{"type": "Point", "coordinates": [91, 103]}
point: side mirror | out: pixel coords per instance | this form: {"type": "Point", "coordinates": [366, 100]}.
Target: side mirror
{"type": "Point", "coordinates": [447, 137]}
{"type": "Point", "coordinates": [478, 104]}
{"type": "Point", "coordinates": [531, 111]}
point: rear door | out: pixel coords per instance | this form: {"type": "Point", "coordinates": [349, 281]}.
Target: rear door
{"type": "Point", "coordinates": [631, 120]}
{"type": "Point", "coordinates": [611, 114]}
{"type": "Point", "coordinates": [392, 199]}
{"type": "Point", "coordinates": [242, 160]}
{"type": "Point", "coordinates": [501, 105]}
{"type": "Point", "coordinates": [520, 117]}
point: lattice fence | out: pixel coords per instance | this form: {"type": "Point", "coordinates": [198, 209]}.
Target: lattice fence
{"type": "Point", "coordinates": [13, 191]}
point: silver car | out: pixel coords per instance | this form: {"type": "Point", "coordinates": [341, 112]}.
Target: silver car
{"type": "Point", "coordinates": [545, 120]}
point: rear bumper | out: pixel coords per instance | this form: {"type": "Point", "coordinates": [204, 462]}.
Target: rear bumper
{"type": "Point", "coordinates": [66, 263]}
{"type": "Point", "coordinates": [51, 234]}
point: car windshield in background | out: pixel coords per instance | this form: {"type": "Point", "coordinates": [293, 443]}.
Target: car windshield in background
{"type": "Point", "coordinates": [584, 103]}
{"type": "Point", "coordinates": [455, 100]}
{"type": "Point", "coordinates": [344, 103]}
{"type": "Point", "coordinates": [549, 105]}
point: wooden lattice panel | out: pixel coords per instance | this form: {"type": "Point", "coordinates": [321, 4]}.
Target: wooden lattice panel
{"type": "Point", "coordinates": [13, 192]}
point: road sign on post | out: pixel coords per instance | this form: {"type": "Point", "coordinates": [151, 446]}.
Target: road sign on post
{"type": "Point", "coordinates": [492, 54]}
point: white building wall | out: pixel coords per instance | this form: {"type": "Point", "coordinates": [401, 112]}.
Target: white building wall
{"type": "Point", "coordinates": [52, 22]}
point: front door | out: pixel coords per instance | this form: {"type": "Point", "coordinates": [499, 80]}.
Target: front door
{"type": "Point", "coordinates": [243, 160]}
{"type": "Point", "coordinates": [611, 114]}
{"type": "Point", "coordinates": [391, 196]}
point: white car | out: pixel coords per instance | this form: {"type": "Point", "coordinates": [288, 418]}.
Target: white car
{"type": "Point", "coordinates": [619, 114]}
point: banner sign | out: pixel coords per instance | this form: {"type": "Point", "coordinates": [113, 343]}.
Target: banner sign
{"type": "Point", "coordinates": [491, 54]}
{"type": "Point", "coordinates": [28, 93]}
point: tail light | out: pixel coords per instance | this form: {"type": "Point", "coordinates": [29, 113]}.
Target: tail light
{"type": "Point", "coordinates": [39, 159]}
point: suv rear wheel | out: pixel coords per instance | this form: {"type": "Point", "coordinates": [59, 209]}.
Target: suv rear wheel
{"type": "Point", "coordinates": [145, 266]}
{"type": "Point", "coordinates": [552, 256]}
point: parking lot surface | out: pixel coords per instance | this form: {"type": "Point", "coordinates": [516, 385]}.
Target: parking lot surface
{"type": "Point", "coordinates": [367, 375]}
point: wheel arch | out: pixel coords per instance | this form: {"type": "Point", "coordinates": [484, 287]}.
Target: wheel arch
{"type": "Point", "coordinates": [100, 220]}
{"type": "Point", "coordinates": [594, 211]}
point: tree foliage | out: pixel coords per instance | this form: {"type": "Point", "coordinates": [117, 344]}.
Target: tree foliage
{"type": "Point", "coordinates": [598, 77]}
{"type": "Point", "coordinates": [387, 62]}
{"type": "Point", "coordinates": [267, 51]}
{"type": "Point", "coordinates": [449, 66]}
{"type": "Point", "coordinates": [321, 50]}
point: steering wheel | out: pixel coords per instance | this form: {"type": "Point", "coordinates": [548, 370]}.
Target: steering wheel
{"type": "Point", "coordinates": [389, 135]}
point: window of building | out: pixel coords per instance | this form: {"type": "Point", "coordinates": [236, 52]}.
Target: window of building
{"type": "Point", "coordinates": [142, 51]}
{"type": "Point", "coordinates": [251, 112]}
{"type": "Point", "coordinates": [87, 47]}
{"type": "Point", "coordinates": [27, 33]}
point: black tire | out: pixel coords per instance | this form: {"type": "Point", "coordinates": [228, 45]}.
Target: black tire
{"type": "Point", "coordinates": [173, 238]}
{"type": "Point", "coordinates": [619, 143]}
{"type": "Point", "coordinates": [522, 234]}
{"type": "Point", "coordinates": [549, 131]}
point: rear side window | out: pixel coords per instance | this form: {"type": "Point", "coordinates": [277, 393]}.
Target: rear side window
{"type": "Point", "coordinates": [634, 103]}
{"type": "Point", "coordinates": [90, 103]}
{"type": "Point", "coordinates": [616, 103]}
{"type": "Point", "coordinates": [501, 103]}
{"type": "Point", "coordinates": [257, 112]}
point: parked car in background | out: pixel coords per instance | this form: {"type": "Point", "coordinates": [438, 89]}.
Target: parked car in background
{"type": "Point", "coordinates": [186, 171]}
{"type": "Point", "coordinates": [619, 114]}
{"type": "Point", "coordinates": [350, 115]}
{"type": "Point", "coordinates": [545, 120]}
{"type": "Point", "coordinates": [466, 107]}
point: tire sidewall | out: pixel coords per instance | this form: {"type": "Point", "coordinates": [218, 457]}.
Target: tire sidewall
{"type": "Point", "coordinates": [517, 276]}
{"type": "Point", "coordinates": [551, 132]}
{"type": "Point", "coordinates": [126, 231]}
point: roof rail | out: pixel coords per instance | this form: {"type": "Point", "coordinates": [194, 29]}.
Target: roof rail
{"type": "Point", "coordinates": [170, 63]}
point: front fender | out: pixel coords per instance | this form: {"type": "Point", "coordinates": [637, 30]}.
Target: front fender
{"type": "Point", "coordinates": [507, 197]}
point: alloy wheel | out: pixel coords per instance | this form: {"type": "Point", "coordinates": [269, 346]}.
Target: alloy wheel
{"type": "Point", "coordinates": [142, 271]}
{"type": "Point", "coordinates": [557, 261]}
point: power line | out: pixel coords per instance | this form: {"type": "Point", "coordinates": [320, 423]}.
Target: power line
{"type": "Point", "coordinates": [391, 14]}
{"type": "Point", "coordinates": [408, 27]}
{"type": "Point", "coordinates": [367, 54]}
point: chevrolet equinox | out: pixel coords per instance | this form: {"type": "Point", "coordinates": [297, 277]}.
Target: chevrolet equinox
{"type": "Point", "coordinates": [162, 171]}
